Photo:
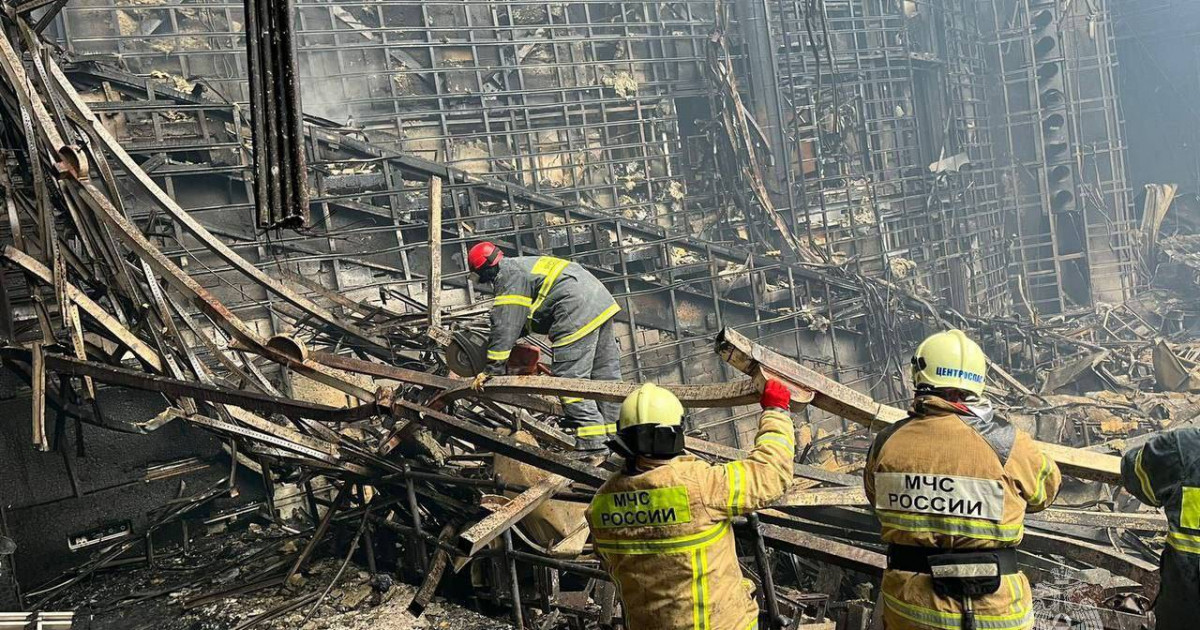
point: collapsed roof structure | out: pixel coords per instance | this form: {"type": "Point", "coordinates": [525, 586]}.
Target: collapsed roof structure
{"type": "Point", "coordinates": [212, 317]}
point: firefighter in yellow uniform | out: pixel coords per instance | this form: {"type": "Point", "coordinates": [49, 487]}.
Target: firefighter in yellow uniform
{"type": "Point", "coordinates": [951, 485]}
{"type": "Point", "coordinates": [662, 526]}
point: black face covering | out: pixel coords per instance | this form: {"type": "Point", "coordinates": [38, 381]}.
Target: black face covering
{"type": "Point", "coordinates": [658, 442]}
{"type": "Point", "coordinates": [487, 275]}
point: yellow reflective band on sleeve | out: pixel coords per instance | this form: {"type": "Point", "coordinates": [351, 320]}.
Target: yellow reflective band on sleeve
{"type": "Point", "coordinates": [776, 439]}
{"type": "Point", "coordinates": [968, 527]}
{"type": "Point", "coordinates": [498, 355]}
{"type": "Point", "coordinates": [1147, 487]}
{"type": "Point", "coordinates": [678, 544]}
{"type": "Point", "coordinates": [1186, 543]}
{"type": "Point", "coordinates": [777, 435]}
{"type": "Point", "coordinates": [513, 299]}
{"type": "Point", "coordinates": [642, 508]}
{"type": "Point", "coordinates": [595, 430]}
{"type": "Point", "coordinates": [736, 472]}
{"type": "Point", "coordinates": [1189, 512]}
{"type": "Point", "coordinates": [549, 267]}
{"type": "Point", "coordinates": [587, 328]}
{"type": "Point", "coordinates": [569, 400]}
{"type": "Point", "coordinates": [1039, 494]}
{"type": "Point", "coordinates": [1019, 620]}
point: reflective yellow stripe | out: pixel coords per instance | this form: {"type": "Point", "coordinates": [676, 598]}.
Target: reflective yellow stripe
{"type": "Point", "coordinates": [1147, 488]}
{"type": "Point", "coordinates": [498, 355]}
{"type": "Point", "coordinates": [513, 299]}
{"type": "Point", "coordinates": [753, 625]}
{"type": "Point", "coordinates": [569, 400]}
{"type": "Point", "coordinates": [549, 267]}
{"type": "Point", "coordinates": [775, 439]}
{"type": "Point", "coordinates": [1187, 543]}
{"type": "Point", "coordinates": [593, 430]}
{"type": "Point", "coordinates": [969, 527]}
{"type": "Point", "coordinates": [1189, 512]}
{"type": "Point", "coordinates": [677, 544]}
{"type": "Point", "coordinates": [778, 434]}
{"type": "Point", "coordinates": [700, 611]}
{"type": "Point", "coordinates": [696, 604]}
{"type": "Point", "coordinates": [953, 621]}
{"type": "Point", "coordinates": [737, 486]}
{"type": "Point", "coordinates": [1014, 592]}
{"type": "Point", "coordinates": [1039, 495]}
{"type": "Point", "coordinates": [587, 328]}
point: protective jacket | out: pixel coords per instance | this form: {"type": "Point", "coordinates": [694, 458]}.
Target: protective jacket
{"type": "Point", "coordinates": [1165, 472]}
{"type": "Point", "coordinates": [951, 476]}
{"type": "Point", "coordinates": [548, 296]}
{"type": "Point", "coordinates": [663, 533]}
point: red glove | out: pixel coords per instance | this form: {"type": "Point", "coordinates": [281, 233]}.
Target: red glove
{"type": "Point", "coordinates": [776, 395]}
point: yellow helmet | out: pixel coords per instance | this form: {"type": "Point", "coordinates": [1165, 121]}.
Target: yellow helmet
{"type": "Point", "coordinates": [650, 405]}
{"type": "Point", "coordinates": [949, 360]}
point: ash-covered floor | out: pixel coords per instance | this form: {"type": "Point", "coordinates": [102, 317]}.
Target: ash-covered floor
{"type": "Point", "coordinates": [167, 596]}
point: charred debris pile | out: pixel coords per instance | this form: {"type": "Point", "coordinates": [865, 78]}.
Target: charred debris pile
{"type": "Point", "coordinates": [385, 466]}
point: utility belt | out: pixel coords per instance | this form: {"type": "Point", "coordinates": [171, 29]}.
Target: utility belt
{"type": "Point", "coordinates": [958, 574]}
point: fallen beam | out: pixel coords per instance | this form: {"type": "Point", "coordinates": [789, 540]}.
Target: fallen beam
{"type": "Point", "coordinates": [433, 577]}
{"type": "Point", "coordinates": [815, 547]}
{"type": "Point", "coordinates": [210, 393]}
{"type": "Point", "coordinates": [742, 392]}
{"type": "Point", "coordinates": [833, 397]}
{"type": "Point", "coordinates": [89, 307]}
{"type": "Point", "coordinates": [729, 453]}
{"type": "Point", "coordinates": [487, 439]}
{"type": "Point", "coordinates": [493, 525]}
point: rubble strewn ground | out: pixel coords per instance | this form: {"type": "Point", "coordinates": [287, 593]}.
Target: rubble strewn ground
{"type": "Point", "coordinates": [145, 598]}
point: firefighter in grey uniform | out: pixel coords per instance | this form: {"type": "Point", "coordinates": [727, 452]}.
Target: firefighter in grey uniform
{"type": "Point", "coordinates": [561, 299]}
{"type": "Point", "coordinates": [1165, 472]}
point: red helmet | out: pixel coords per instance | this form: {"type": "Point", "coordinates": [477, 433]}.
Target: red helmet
{"type": "Point", "coordinates": [482, 255]}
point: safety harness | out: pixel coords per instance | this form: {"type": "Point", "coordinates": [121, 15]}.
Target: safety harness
{"type": "Point", "coordinates": [958, 574]}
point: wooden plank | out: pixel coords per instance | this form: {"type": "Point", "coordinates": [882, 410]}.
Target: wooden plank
{"type": "Point", "coordinates": [493, 525]}
{"type": "Point", "coordinates": [90, 308]}
{"type": "Point", "coordinates": [822, 497]}
{"type": "Point", "coordinates": [38, 375]}
{"type": "Point", "coordinates": [825, 550]}
{"type": "Point", "coordinates": [729, 453]}
{"type": "Point", "coordinates": [551, 461]}
{"type": "Point", "coordinates": [740, 392]}
{"type": "Point", "coordinates": [434, 281]}
{"type": "Point", "coordinates": [433, 577]}
{"type": "Point", "coordinates": [838, 399]}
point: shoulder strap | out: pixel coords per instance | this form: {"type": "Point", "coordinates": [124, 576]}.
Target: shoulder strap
{"type": "Point", "coordinates": [999, 434]}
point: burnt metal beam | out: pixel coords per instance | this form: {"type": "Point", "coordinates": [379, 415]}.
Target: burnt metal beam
{"type": "Point", "coordinates": [210, 393]}
{"type": "Point", "coordinates": [276, 116]}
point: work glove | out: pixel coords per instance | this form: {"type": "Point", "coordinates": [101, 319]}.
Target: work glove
{"type": "Point", "coordinates": [776, 395]}
{"type": "Point", "coordinates": [479, 380]}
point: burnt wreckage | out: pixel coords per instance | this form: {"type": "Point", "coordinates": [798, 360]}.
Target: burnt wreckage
{"type": "Point", "coordinates": [233, 395]}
